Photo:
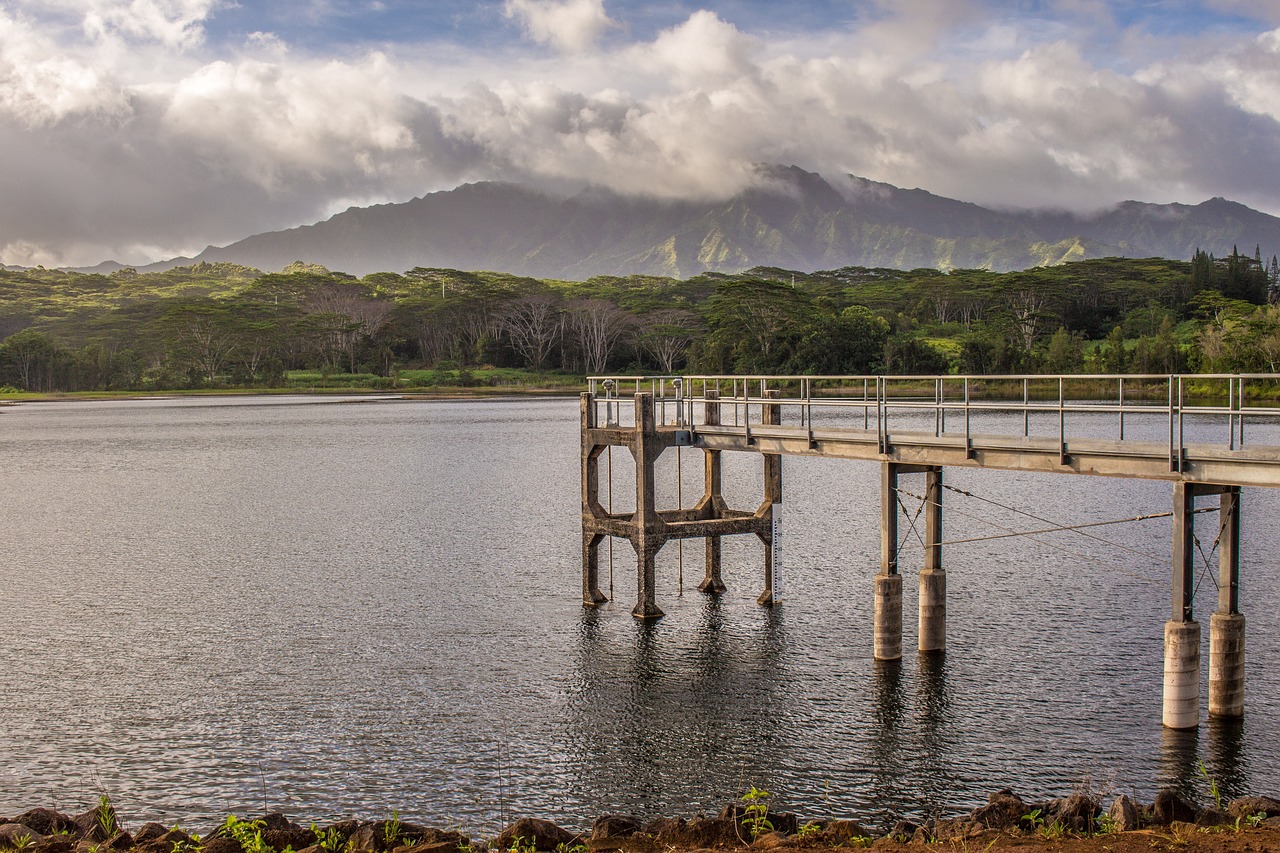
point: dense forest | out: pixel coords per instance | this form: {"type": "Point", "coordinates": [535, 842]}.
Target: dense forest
{"type": "Point", "coordinates": [223, 325]}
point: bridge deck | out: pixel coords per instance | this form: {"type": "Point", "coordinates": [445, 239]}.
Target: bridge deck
{"type": "Point", "coordinates": [1201, 463]}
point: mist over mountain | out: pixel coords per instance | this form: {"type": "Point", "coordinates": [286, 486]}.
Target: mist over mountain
{"type": "Point", "coordinates": [793, 219]}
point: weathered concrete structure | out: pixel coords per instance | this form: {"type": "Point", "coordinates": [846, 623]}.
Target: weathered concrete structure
{"type": "Point", "coordinates": [1195, 470]}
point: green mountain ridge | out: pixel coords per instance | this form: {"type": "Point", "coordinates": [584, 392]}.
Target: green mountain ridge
{"type": "Point", "coordinates": [793, 219]}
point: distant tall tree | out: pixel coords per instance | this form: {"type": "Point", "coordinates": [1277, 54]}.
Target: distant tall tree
{"type": "Point", "coordinates": [598, 326]}
{"type": "Point", "coordinates": [533, 324]}
{"type": "Point", "coordinates": [666, 335]}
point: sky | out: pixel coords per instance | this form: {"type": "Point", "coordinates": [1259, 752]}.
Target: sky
{"type": "Point", "coordinates": [138, 130]}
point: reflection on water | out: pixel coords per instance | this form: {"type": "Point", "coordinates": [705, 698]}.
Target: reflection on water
{"type": "Point", "coordinates": [338, 610]}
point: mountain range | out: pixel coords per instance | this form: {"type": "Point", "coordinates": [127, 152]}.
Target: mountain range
{"type": "Point", "coordinates": [791, 219]}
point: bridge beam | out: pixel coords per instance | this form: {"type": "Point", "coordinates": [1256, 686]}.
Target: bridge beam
{"type": "Point", "coordinates": [647, 537]}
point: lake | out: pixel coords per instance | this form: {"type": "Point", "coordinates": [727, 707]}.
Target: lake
{"type": "Point", "coordinates": [338, 607]}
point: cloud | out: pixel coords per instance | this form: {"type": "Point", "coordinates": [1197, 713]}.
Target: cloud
{"type": "Point", "coordinates": [571, 26]}
{"type": "Point", "coordinates": [139, 140]}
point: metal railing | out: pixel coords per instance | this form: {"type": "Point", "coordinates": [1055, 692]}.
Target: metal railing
{"type": "Point", "coordinates": [1214, 408]}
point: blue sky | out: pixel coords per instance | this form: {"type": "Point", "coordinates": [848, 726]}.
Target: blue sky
{"type": "Point", "coordinates": [142, 129]}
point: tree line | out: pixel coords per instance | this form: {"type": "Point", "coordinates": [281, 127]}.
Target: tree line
{"type": "Point", "coordinates": [224, 325]}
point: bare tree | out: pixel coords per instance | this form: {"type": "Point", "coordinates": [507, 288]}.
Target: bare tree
{"type": "Point", "coordinates": [532, 324]}
{"type": "Point", "coordinates": [666, 335]}
{"type": "Point", "coordinates": [363, 316]}
{"type": "Point", "coordinates": [598, 326]}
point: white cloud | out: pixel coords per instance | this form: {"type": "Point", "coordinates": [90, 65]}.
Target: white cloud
{"type": "Point", "coordinates": [140, 140]}
{"type": "Point", "coordinates": [571, 26]}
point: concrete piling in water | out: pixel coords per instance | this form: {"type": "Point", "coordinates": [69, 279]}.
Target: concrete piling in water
{"type": "Point", "coordinates": [933, 580]}
{"type": "Point", "coordinates": [771, 503]}
{"type": "Point", "coordinates": [1226, 626]}
{"type": "Point", "coordinates": [1181, 674]}
{"type": "Point", "coordinates": [888, 617]}
{"type": "Point", "coordinates": [887, 629]}
{"type": "Point", "coordinates": [712, 503]}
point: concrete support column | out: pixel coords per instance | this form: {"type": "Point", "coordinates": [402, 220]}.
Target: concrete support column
{"type": "Point", "coordinates": [1226, 665]}
{"type": "Point", "coordinates": [771, 506]}
{"type": "Point", "coordinates": [712, 504]}
{"type": "Point", "coordinates": [887, 642]}
{"type": "Point", "coordinates": [591, 594]}
{"type": "Point", "coordinates": [1181, 674]}
{"type": "Point", "coordinates": [648, 538]}
{"type": "Point", "coordinates": [1182, 632]}
{"type": "Point", "coordinates": [933, 580]}
{"type": "Point", "coordinates": [1226, 626]}
{"type": "Point", "coordinates": [887, 633]}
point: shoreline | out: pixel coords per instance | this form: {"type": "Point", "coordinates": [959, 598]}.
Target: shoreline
{"type": "Point", "coordinates": [1079, 822]}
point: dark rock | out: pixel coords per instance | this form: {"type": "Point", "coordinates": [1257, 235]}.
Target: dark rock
{"type": "Point", "coordinates": [296, 837]}
{"type": "Point", "coordinates": [369, 838]}
{"type": "Point", "coordinates": [784, 822]}
{"type": "Point", "coordinates": [436, 846]}
{"type": "Point", "coordinates": [614, 826]}
{"type": "Point", "coordinates": [47, 822]}
{"type": "Point", "coordinates": [120, 841]}
{"type": "Point", "coordinates": [844, 831]}
{"type": "Point", "coordinates": [1004, 809]}
{"type": "Point", "coordinates": [150, 832]}
{"type": "Point", "coordinates": [55, 844]}
{"type": "Point", "coordinates": [711, 832]}
{"type": "Point", "coordinates": [955, 829]}
{"type": "Point", "coordinates": [1243, 807]}
{"type": "Point", "coordinates": [903, 830]}
{"type": "Point", "coordinates": [1077, 812]}
{"type": "Point", "coordinates": [98, 824]}
{"type": "Point", "coordinates": [544, 834]}
{"type": "Point", "coordinates": [665, 828]}
{"type": "Point", "coordinates": [1125, 813]}
{"type": "Point", "coordinates": [1170, 806]}
{"type": "Point", "coordinates": [163, 844]}
{"type": "Point", "coordinates": [770, 841]}
{"type": "Point", "coordinates": [1211, 816]}
{"type": "Point", "coordinates": [11, 835]}
{"type": "Point", "coordinates": [220, 844]}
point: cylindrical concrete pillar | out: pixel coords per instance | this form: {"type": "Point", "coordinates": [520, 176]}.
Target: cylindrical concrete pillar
{"type": "Point", "coordinates": [1226, 665]}
{"type": "Point", "coordinates": [1181, 674]}
{"type": "Point", "coordinates": [888, 617]}
{"type": "Point", "coordinates": [933, 610]}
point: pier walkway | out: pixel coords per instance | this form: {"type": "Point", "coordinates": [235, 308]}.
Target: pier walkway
{"type": "Point", "coordinates": [1189, 430]}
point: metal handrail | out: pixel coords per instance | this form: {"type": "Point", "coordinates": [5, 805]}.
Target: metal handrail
{"type": "Point", "coordinates": [890, 394]}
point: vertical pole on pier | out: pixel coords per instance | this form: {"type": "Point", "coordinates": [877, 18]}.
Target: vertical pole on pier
{"type": "Point", "coordinates": [887, 639]}
{"type": "Point", "coordinates": [771, 415]}
{"type": "Point", "coordinates": [647, 535]}
{"type": "Point", "coordinates": [1182, 632]}
{"type": "Point", "coordinates": [591, 594]}
{"type": "Point", "coordinates": [933, 580]}
{"type": "Point", "coordinates": [1226, 626]}
{"type": "Point", "coordinates": [712, 504]}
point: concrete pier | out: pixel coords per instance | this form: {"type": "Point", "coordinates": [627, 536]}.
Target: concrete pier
{"type": "Point", "coordinates": [933, 580]}
{"type": "Point", "coordinates": [887, 640]}
{"type": "Point", "coordinates": [1226, 665]}
{"type": "Point", "coordinates": [649, 528]}
{"type": "Point", "coordinates": [1226, 626]}
{"type": "Point", "coordinates": [1181, 675]}
{"type": "Point", "coordinates": [887, 628]}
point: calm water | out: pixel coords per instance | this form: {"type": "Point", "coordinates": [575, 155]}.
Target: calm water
{"type": "Point", "coordinates": [340, 608]}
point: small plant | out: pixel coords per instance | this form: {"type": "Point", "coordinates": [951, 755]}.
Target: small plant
{"type": "Point", "coordinates": [247, 833]}
{"type": "Point", "coordinates": [191, 845]}
{"type": "Point", "coordinates": [106, 815]}
{"type": "Point", "coordinates": [21, 842]}
{"type": "Point", "coordinates": [520, 844]}
{"type": "Point", "coordinates": [328, 840]}
{"type": "Point", "coordinates": [1033, 819]}
{"type": "Point", "coordinates": [563, 847]}
{"type": "Point", "coordinates": [1055, 831]}
{"type": "Point", "coordinates": [1214, 791]}
{"type": "Point", "coordinates": [756, 808]}
{"type": "Point", "coordinates": [808, 831]}
{"type": "Point", "coordinates": [1105, 824]}
{"type": "Point", "coordinates": [392, 829]}
{"type": "Point", "coordinates": [1255, 820]}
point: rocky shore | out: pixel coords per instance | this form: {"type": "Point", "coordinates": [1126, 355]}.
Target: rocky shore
{"type": "Point", "coordinates": [1079, 822]}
